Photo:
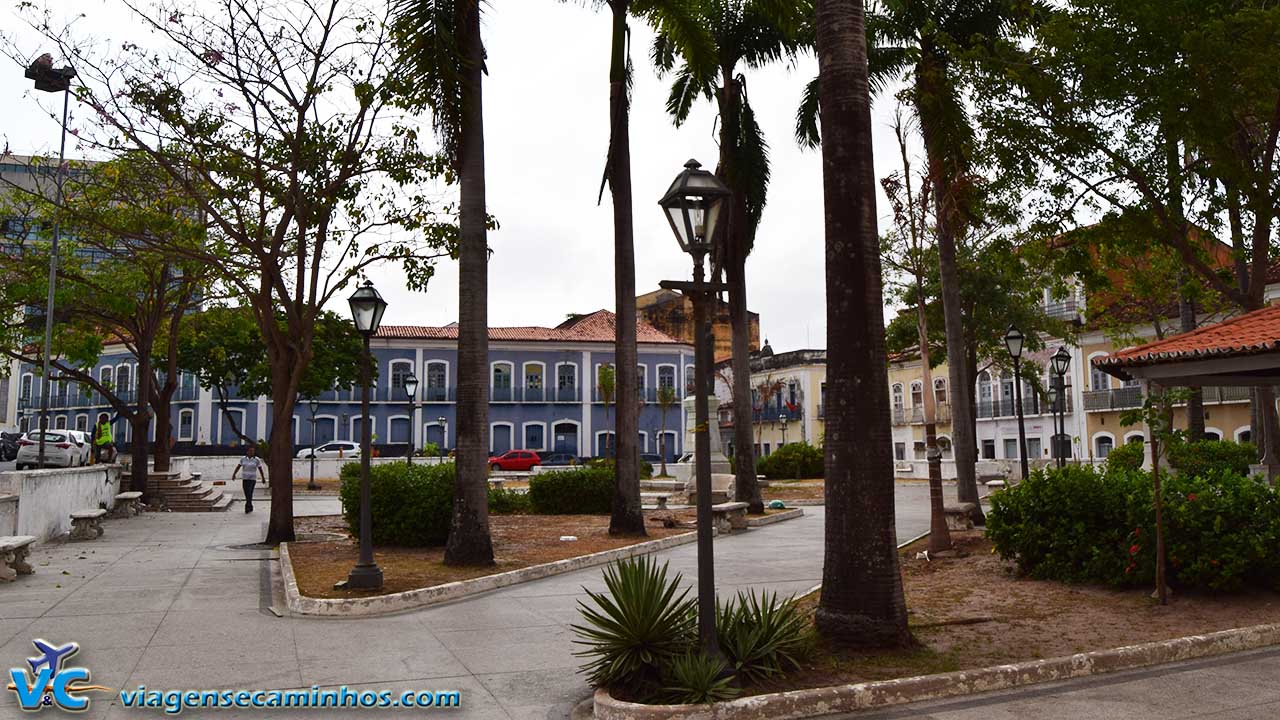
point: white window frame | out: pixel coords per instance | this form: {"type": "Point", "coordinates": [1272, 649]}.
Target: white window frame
{"type": "Point", "coordinates": [644, 441]}
{"type": "Point", "coordinates": [511, 370]}
{"type": "Point", "coordinates": [675, 376]}
{"type": "Point", "coordinates": [392, 393]}
{"type": "Point", "coordinates": [524, 375]}
{"type": "Point", "coordinates": [28, 379]}
{"type": "Point", "coordinates": [642, 381]}
{"type": "Point", "coordinates": [133, 381]}
{"type": "Point", "coordinates": [577, 424]}
{"type": "Point", "coordinates": [60, 419]}
{"type": "Point", "coordinates": [1221, 435]}
{"type": "Point", "coordinates": [85, 416]}
{"type": "Point", "coordinates": [1093, 443]}
{"type": "Point", "coordinates": [596, 444]}
{"type": "Point", "coordinates": [1242, 430]}
{"type": "Point", "coordinates": [426, 375]}
{"type": "Point", "coordinates": [444, 431]}
{"type": "Point", "coordinates": [675, 442]}
{"type": "Point", "coordinates": [390, 418]}
{"type": "Point", "coordinates": [577, 379]}
{"type": "Point", "coordinates": [1128, 438]}
{"type": "Point", "coordinates": [192, 435]}
{"type": "Point", "coordinates": [221, 422]}
{"type": "Point", "coordinates": [511, 428]}
{"type": "Point", "coordinates": [322, 416]}
{"type": "Point", "coordinates": [524, 435]}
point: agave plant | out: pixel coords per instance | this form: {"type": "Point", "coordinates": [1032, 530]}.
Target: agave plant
{"type": "Point", "coordinates": [762, 635]}
{"type": "Point", "coordinates": [638, 627]}
{"type": "Point", "coordinates": [697, 678]}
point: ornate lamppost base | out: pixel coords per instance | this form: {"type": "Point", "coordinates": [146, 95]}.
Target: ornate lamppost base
{"type": "Point", "coordinates": [365, 577]}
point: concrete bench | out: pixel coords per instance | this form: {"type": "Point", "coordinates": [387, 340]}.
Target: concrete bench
{"type": "Point", "coordinates": [959, 516]}
{"type": "Point", "coordinates": [729, 516]}
{"type": "Point", "coordinates": [762, 481]}
{"type": "Point", "coordinates": [721, 488]}
{"type": "Point", "coordinates": [87, 524]}
{"type": "Point", "coordinates": [127, 504]}
{"type": "Point", "coordinates": [13, 556]}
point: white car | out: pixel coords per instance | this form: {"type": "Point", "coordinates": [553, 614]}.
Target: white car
{"type": "Point", "coordinates": [86, 444]}
{"type": "Point", "coordinates": [337, 448]}
{"type": "Point", "coordinates": [60, 450]}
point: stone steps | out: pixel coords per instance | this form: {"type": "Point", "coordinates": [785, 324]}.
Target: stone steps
{"type": "Point", "coordinates": [185, 494]}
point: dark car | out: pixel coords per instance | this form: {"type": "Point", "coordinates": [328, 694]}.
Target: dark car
{"type": "Point", "coordinates": [651, 458]}
{"type": "Point", "coordinates": [8, 446]}
{"type": "Point", "coordinates": [559, 459]}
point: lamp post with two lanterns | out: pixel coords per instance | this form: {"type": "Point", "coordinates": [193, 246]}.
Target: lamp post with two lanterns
{"type": "Point", "coordinates": [314, 405]}
{"type": "Point", "coordinates": [1060, 362]}
{"type": "Point", "coordinates": [694, 206]}
{"type": "Point", "coordinates": [367, 308]}
{"type": "Point", "coordinates": [1013, 342]}
{"type": "Point", "coordinates": [411, 389]}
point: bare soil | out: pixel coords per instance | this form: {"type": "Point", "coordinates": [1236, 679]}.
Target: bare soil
{"type": "Point", "coordinates": [974, 611]}
{"type": "Point", "coordinates": [784, 490]}
{"type": "Point", "coordinates": [519, 541]}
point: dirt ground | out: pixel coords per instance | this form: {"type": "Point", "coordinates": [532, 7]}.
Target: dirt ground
{"type": "Point", "coordinates": [973, 611]}
{"type": "Point", "coordinates": [784, 490]}
{"type": "Point", "coordinates": [519, 541]}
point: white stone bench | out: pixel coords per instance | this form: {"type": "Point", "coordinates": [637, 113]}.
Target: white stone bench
{"type": "Point", "coordinates": [959, 516]}
{"type": "Point", "coordinates": [762, 481]}
{"type": "Point", "coordinates": [729, 516]}
{"type": "Point", "coordinates": [127, 504]}
{"type": "Point", "coordinates": [13, 556]}
{"type": "Point", "coordinates": [87, 524]}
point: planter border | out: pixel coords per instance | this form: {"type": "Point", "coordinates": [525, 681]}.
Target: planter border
{"type": "Point", "coordinates": [754, 521]}
{"type": "Point", "coordinates": [815, 702]}
{"type": "Point", "coordinates": [423, 597]}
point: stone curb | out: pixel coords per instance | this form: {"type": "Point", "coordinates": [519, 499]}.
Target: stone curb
{"type": "Point", "coordinates": [861, 696]}
{"type": "Point", "coordinates": [422, 597]}
{"type": "Point", "coordinates": [757, 521]}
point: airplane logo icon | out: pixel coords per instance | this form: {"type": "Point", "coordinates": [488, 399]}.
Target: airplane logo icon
{"type": "Point", "coordinates": [52, 656]}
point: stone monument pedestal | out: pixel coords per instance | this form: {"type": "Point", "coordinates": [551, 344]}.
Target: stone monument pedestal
{"type": "Point", "coordinates": [719, 463]}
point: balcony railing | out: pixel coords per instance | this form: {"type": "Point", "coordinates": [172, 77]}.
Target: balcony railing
{"type": "Point", "coordinates": [1067, 309]}
{"type": "Point", "coordinates": [502, 394]}
{"type": "Point", "coordinates": [187, 394]}
{"type": "Point", "coordinates": [566, 394]}
{"type": "Point", "coordinates": [1031, 405]}
{"type": "Point", "coordinates": [942, 414]}
{"type": "Point", "coordinates": [774, 414]}
{"type": "Point", "coordinates": [1114, 399]}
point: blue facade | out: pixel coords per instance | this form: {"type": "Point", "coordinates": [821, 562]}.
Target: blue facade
{"type": "Point", "coordinates": [542, 397]}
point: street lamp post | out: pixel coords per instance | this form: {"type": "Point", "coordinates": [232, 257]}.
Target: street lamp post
{"type": "Point", "coordinates": [693, 206]}
{"type": "Point", "coordinates": [444, 436]}
{"type": "Point", "coordinates": [1053, 413]}
{"type": "Point", "coordinates": [411, 389]}
{"type": "Point", "coordinates": [784, 429]}
{"type": "Point", "coordinates": [47, 78]}
{"type": "Point", "coordinates": [311, 482]}
{"type": "Point", "coordinates": [1061, 361]}
{"type": "Point", "coordinates": [367, 307]}
{"type": "Point", "coordinates": [1013, 341]}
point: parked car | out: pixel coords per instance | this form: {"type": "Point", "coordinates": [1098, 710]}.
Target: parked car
{"type": "Point", "coordinates": [515, 460]}
{"type": "Point", "coordinates": [60, 450]}
{"type": "Point", "coordinates": [559, 459]}
{"type": "Point", "coordinates": [84, 442]}
{"type": "Point", "coordinates": [337, 448]}
{"type": "Point", "coordinates": [9, 445]}
{"type": "Point", "coordinates": [651, 458]}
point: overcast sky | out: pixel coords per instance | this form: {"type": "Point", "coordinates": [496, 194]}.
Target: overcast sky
{"type": "Point", "coordinates": [546, 132]}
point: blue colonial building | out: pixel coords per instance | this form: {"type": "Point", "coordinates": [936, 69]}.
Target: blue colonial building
{"type": "Point", "coordinates": [542, 387]}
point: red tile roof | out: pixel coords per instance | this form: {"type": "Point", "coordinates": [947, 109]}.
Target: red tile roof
{"type": "Point", "coordinates": [1248, 334]}
{"type": "Point", "coordinates": [598, 326]}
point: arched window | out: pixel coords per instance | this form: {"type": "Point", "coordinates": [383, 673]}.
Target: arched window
{"type": "Point", "coordinates": [566, 382]}
{"type": "Point", "coordinates": [917, 394]}
{"type": "Point", "coordinates": [186, 425]}
{"type": "Point", "coordinates": [501, 381]}
{"type": "Point", "coordinates": [1102, 446]}
{"type": "Point", "coordinates": [1212, 435]}
{"type": "Point", "coordinates": [437, 381]}
{"type": "Point", "coordinates": [898, 402]}
{"type": "Point", "coordinates": [688, 379]}
{"type": "Point", "coordinates": [1098, 380]}
{"type": "Point", "coordinates": [666, 376]}
{"type": "Point", "coordinates": [940, 391]}
{"type": "Point", "coordinates": [400, 369]}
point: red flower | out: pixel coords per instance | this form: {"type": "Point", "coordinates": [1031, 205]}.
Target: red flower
{"type": "Point", "coordinates": [1133, 549]}
{"type": "Point", "coordinates": [1191, 497]}
{"type": "Point", "coordinates": [1213, 563]}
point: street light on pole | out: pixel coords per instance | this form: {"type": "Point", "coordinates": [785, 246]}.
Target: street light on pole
{"type": "Point", "coordinates": [47, 78]}
{"type": "Point", "coordinates": [1013, 342]}
{"type": "Point", "coordinates": [1061, 361]}
{"type": "Point", "coordinates": [444, 436]}
{"type": "Point", "coordinates": [367, 308]}
{"type": "Point", "coordinates": [784, 429]}
{"type": "Point", "coordinates": [694, 205]}
{"type": "Point", "coordinates": [311, 482]}
{"type": "Point", "coordinates": [411, 389]}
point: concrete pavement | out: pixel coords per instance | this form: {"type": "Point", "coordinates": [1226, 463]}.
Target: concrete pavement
{"type": "Point", "coordinates": [180, 601]}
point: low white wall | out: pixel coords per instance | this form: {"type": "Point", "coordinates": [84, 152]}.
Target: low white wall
{"type": "Point", "coordinates": [46, 498]}
{"type": "Point", "coordinates": [220, 467]}
{"type": "Point", "coordinates": [8, 515]}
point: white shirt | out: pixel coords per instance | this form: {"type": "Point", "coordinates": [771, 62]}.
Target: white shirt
{"type": "Point", "coordinates": [249, 466]}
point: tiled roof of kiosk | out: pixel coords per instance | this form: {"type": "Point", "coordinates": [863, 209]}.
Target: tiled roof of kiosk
{"type": "Point", "coordinates": [1249, 334]}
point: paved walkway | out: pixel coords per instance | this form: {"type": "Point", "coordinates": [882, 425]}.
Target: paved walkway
{"type": "Point", "coordinates": [180, 601]}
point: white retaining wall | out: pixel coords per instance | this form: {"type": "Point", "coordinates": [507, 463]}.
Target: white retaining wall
{"type": "Point", "coordinates": [8, 514]}
{"type": "Point", "coordinates": [46, 498]}
{"type": "Point", "coordinates": [220, 467]}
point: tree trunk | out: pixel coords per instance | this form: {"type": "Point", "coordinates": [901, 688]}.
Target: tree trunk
{"type": "Point", "coordinates": [469, 541]}
{"type": "Point", "coordinates": [627, 517]}
{"type": "Point", "coordinates": [280, 453]}
{"type": "Point", "coordinates": [939, 534]}
{"type": "Point", "coordinates": [1195, 401]}
{"type": "Point", "coordinates": [930, 81]}
{"type": "Point", "coordinates": [141, 422]}
{"type": "Point", "coordinates": [862, 600]}
{"type": "Point", "coordinates": [164, 431]}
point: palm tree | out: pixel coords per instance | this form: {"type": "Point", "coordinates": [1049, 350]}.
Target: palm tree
{"type": "Point", "coordinates": [754, 33]}
{"type": "Point", "coordinates": [862, 600]}
{"type": "Point", "coordinates": [918, 40]}
{"type": "Point", "coordinates": [440, 43]}
{"type": "Point", "coordinates": [607, 381]}
{"type": "Point", "coordinates": [666, 401]}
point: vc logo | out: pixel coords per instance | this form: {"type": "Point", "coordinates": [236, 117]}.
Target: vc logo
{"type": "Point", "coordinates": [50, 683]}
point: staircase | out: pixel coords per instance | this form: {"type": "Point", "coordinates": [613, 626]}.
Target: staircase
{"type": "Point", "coordinates": [186, 494]}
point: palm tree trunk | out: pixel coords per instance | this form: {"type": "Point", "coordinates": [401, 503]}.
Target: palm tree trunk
{"type": "Point", "coordinates": [964, 436]}
{"type": "Point", "coordinates": [469, 541]}
{"type": "Point", "coordinates": [862, 600]}
{"type": "Point", "coordinates": [626, 518]}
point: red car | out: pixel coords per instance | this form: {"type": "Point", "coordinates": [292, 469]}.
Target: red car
{"type": "Point", "coordinates": [515, 460]}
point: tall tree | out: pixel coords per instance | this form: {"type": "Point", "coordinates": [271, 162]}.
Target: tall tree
{"type": "Point", "coordinates": [753, 33]}
{"type": "Point", "coordinates": [440, 40]}
{"type": "Point", "coordinates": [862, 600]}
{"type": "Point", "coordinates": [272, 117]}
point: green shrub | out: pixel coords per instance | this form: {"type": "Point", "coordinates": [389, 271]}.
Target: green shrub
{"type": "Point", "coordinates": [1079, 525]}
{"type": "Point", "coordinates": [411, 505]}
{"type": "Point", "coordinates": [762, 635]}
{"type": "Point", "coordinates": [793, 460]}
{"type": "Point", "coordinates": [1129, 456]}
{"type": "Point", "coordinates": [1205, 456]}
{"type": "Point", "coordinates": [429, 450]}
{"type": "Point", "coordinates": [696, 677]}
{"type": "Point", "coordinates": [635, 629]}
{"type": "Point", "coordinates": [508, 502]}
{"type": "Point", "coordinates": [581, 491]}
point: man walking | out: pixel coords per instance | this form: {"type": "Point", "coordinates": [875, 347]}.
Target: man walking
{"type": "Point", "coordinates": [250, 469]}
{"type": "Point", "coordinates": [103, 448]}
